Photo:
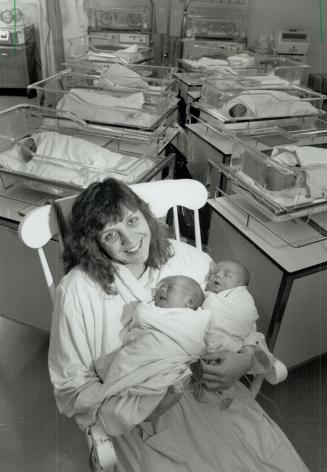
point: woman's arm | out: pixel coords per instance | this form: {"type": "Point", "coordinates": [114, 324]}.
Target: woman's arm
{"type": "Point", "coordinates": [77, 387]}
{"type": "Point", "coordinates": [220, 370]}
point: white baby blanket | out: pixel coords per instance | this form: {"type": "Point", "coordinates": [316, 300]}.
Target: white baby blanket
{"type": "Point", "coordinates": [312, 160]}
{"type": "Point", "coordinates": [233, 318]}
{"type": "Point", "coordinates": [101, 107]}
{"type": "Point", "coordinates": [206, 62]}
{"type": "Point", "coordinates": [156, 354]}
{"type": "Point", "coordinates": [241, 60]}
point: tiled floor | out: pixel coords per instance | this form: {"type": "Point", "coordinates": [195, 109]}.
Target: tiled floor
{"type": "Point", "coordinates": [34, 437]}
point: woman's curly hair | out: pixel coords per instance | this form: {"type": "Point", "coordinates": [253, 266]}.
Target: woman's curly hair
{"type": "Point", "coordinates": [99, 204]}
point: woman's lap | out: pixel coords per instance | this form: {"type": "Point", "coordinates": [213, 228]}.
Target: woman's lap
{"type": "Point", "coordinates": [195, 436]}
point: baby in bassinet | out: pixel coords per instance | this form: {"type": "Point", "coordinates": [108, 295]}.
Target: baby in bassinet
{"type": "Point", "coordinates": [267, 103]}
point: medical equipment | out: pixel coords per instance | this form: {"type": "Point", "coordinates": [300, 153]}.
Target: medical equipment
{"type": "Point", "coordinates": [292, 41]}
{"type": "Point", "coordinates": [14, 35]}
{"type": "Point", "coordinates": [97, 48]}
{"type": "Point", "coordinates": [18, 65]}
{"type": "Point", "coordinates": [99, 102]}
{"type": "Point", "coordinates": [56, 154]}
{"type": "Point", "coordinates": [116, 33]}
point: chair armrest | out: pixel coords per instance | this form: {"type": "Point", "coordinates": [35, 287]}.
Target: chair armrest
{"type": "Point", "coordinates": [102, 454]}
{"type": "Point", "coordinates": [278, 372]}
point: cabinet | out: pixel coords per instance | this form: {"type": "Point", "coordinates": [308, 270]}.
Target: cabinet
{"type": "Point", "coordinates": [287, 283]}
{"type": "Point", "coordinates": [17, 65]}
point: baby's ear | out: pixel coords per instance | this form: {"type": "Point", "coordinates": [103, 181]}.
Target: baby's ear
{"type": "Point", "coordinates": [190, 302]}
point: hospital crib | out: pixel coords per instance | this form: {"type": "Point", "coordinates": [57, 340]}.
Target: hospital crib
{"type": "Point", "coordinates": [97, 99]}
{"type": "Point", "coordinates": [143, 76]}
{"type": "Point", "coordinates": [203, 56]}
{"type": "Point", "coordinates": [255, 101]}
{"type": "Point", "coordinates": [44, 223]}
{"type": "Point", "coordinates": [56, 154]}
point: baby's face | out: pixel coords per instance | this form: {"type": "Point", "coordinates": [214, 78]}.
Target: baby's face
{"type": "Point", "coordinates": [225, 275]}
{"type": "Point", "coordinates": [171, 293]}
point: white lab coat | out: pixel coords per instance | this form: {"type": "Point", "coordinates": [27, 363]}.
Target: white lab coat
{"type": "Point", "coordinates": [191, 436]}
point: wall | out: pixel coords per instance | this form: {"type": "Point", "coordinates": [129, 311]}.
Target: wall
{"type": "Point", "coordinates": [268, 15]}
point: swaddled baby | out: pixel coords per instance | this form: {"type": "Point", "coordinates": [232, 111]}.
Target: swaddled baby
{"type": "Point", "coordinates": [169, 334]}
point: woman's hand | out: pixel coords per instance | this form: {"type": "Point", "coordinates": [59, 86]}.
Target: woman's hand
{"type": "Point", "coordinates": [170, 399]}
{"type": "Point", "coordinates": [227, 368]}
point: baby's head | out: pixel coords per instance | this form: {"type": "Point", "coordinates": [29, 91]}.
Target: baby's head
{"type": "Point", "coordinates": [237, 111]}
{"type": "Point", "coordinates": [178, 291]}
{"type": "Point", "coordinates": [226, 275]}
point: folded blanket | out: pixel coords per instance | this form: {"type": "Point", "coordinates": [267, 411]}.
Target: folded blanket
{"type": "Point", "coordinates": [311, 160]}
{"type": "Point", "coordinates": [101, 107]}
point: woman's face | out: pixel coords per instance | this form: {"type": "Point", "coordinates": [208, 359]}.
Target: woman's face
{"type": "Point", "coordinates": [128, 240]}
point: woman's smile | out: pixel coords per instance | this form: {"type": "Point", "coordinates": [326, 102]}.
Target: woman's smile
{"type": "Point", "coordinates": [127, 241]}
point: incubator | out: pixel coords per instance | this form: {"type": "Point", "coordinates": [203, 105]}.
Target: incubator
{"type": "Point", "coordinates": [103, 101]}
{"type": "Point", "coordinates": [53, 153]}
{"type": "Point", "coordinates": [257, 101]}
{"type": "Point", "coordinates": [117, 33]}
{"type": "Point", "coordinates": [103, 47]}
{"type": "Point", "coordinates": [212, 32]}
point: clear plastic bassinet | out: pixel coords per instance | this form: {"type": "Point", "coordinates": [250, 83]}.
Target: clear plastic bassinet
{"type": "Point", "coordinates": [96, 99]}
{"type": "Point", "coordinates": [256, 101]}
{"type": "Point", "coordinates": [51, 152]}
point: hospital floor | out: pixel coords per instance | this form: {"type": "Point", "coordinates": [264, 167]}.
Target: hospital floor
{"type": "Point", "coordinates": [34, 437]}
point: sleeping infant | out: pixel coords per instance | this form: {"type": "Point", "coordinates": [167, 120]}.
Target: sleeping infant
{"type": "Point", "coordinates": [170, 333]}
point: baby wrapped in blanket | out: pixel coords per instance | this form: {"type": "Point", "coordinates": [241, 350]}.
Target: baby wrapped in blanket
{"type": "Point", "coordinates": [63, 158]}
{"type": "Point", "coordinates": [262, 103]}
{"type": "Point", "coordinates": [311, 162]}
{"type": "Point", "coordinates": [107, 107]}
{"type": "Point", "coordinates": [167, 336]}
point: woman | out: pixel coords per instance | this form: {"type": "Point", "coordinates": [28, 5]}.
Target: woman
{"type": "Point", "coordinates": [116, 252]}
